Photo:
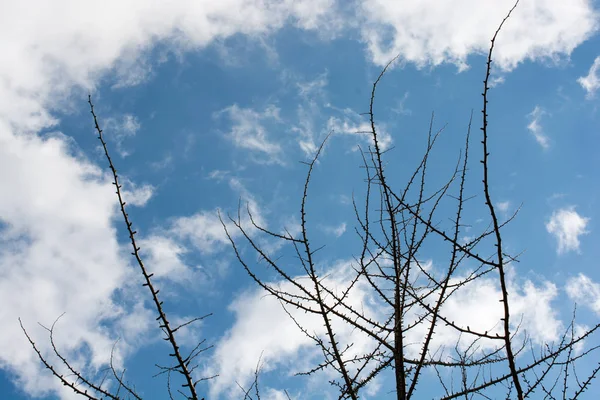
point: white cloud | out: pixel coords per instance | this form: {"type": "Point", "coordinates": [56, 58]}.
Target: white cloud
{"type": "Point", "coordinates": [584, 291]}
{"type": "Point", "coordinates": [352, 125]}
{"type": "Point", "coordinates": [136, 195]}
{"type": "Point", "coordinates": [288, 350]}
{"type": "Point", "coordinates": [59, 249]}
{"type": "Point", "coordinates": [533, 303]}
{"type": "Point", "coordinates": [536, 129]}
{"type": "Point", "coordinates": [163, 257]}
{"type": "Point", "coordinates": [278, 344]}
{"type": "Point", "coordinates": [591, 82]}
{"type": "Point", "coordinates": [566, 225]}
{"type": "Point", "coordinates": [51, 51]}
{"type": "Point", "coordinates": [433, 32]}
{"type": "Point", "coordinates": [273, 394]}
{"type": "Point", "coordinates": [58, 253]}
{"type": "Point", "coordinates": [248, 131]}
{"type": "Point", "coordinates": [204, 229]}
{"type": "Point", "coordinates": [476, 306]}
{"type": "Point", "coordinates": [283, 344]}
{"type": "Point", "coordinates": [496, 81]}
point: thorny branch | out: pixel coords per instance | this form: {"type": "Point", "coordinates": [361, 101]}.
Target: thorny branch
{"type": "Point", "coordinates": [181, 364]}
{"type": "Point", "coordinates": [488, 200]}
{"type": "Point", "coordinates": [409, 294]}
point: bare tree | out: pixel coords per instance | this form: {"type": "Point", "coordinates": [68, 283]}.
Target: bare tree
{"type": "Point", "coordinates": [397, 226]}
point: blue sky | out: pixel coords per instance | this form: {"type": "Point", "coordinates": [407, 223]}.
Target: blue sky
{"type": "Point", "coordinates": [208, 103]}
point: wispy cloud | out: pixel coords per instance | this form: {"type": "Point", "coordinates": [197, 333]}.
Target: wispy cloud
{"type": "Point", "coordinates": [336, 230]}
{"type": "Point", "coordinates": [536, 128]}
{"type": "Point", "coordinates": [346, 122]}
{"type": "Point", "coordinates": [584, 291]}
{"type": "Point", "coordinates": [591, 82]}
{"type": "Point", "coordinates": [163, 163]}
{"type": "Point", "coordinates": [566, 225]}
{"type": "Point", "coordinates": [496, 81]}
{"type": "Point", "coordinates": [118, 129]}
{"type": "Point", "coordinates": [53, 52]}
{"type": "Point", "coordinates": [248, 132]}
{"type": "Point", "coordinates": [313, 96]}
{"type": "Point", "coordinates": [353, 125]}
{"type": "Point", "coordinates": [204, 229]}
{"type": "Point", "coordinates": [315, 87]}
{"type": "Point", "coordinates": [401, 105]}
{"type": "Point", "coordinates": [503, 206]}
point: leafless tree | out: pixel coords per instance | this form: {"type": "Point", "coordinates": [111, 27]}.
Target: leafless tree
{"type": "Point", "coordinates": [397, 228]}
